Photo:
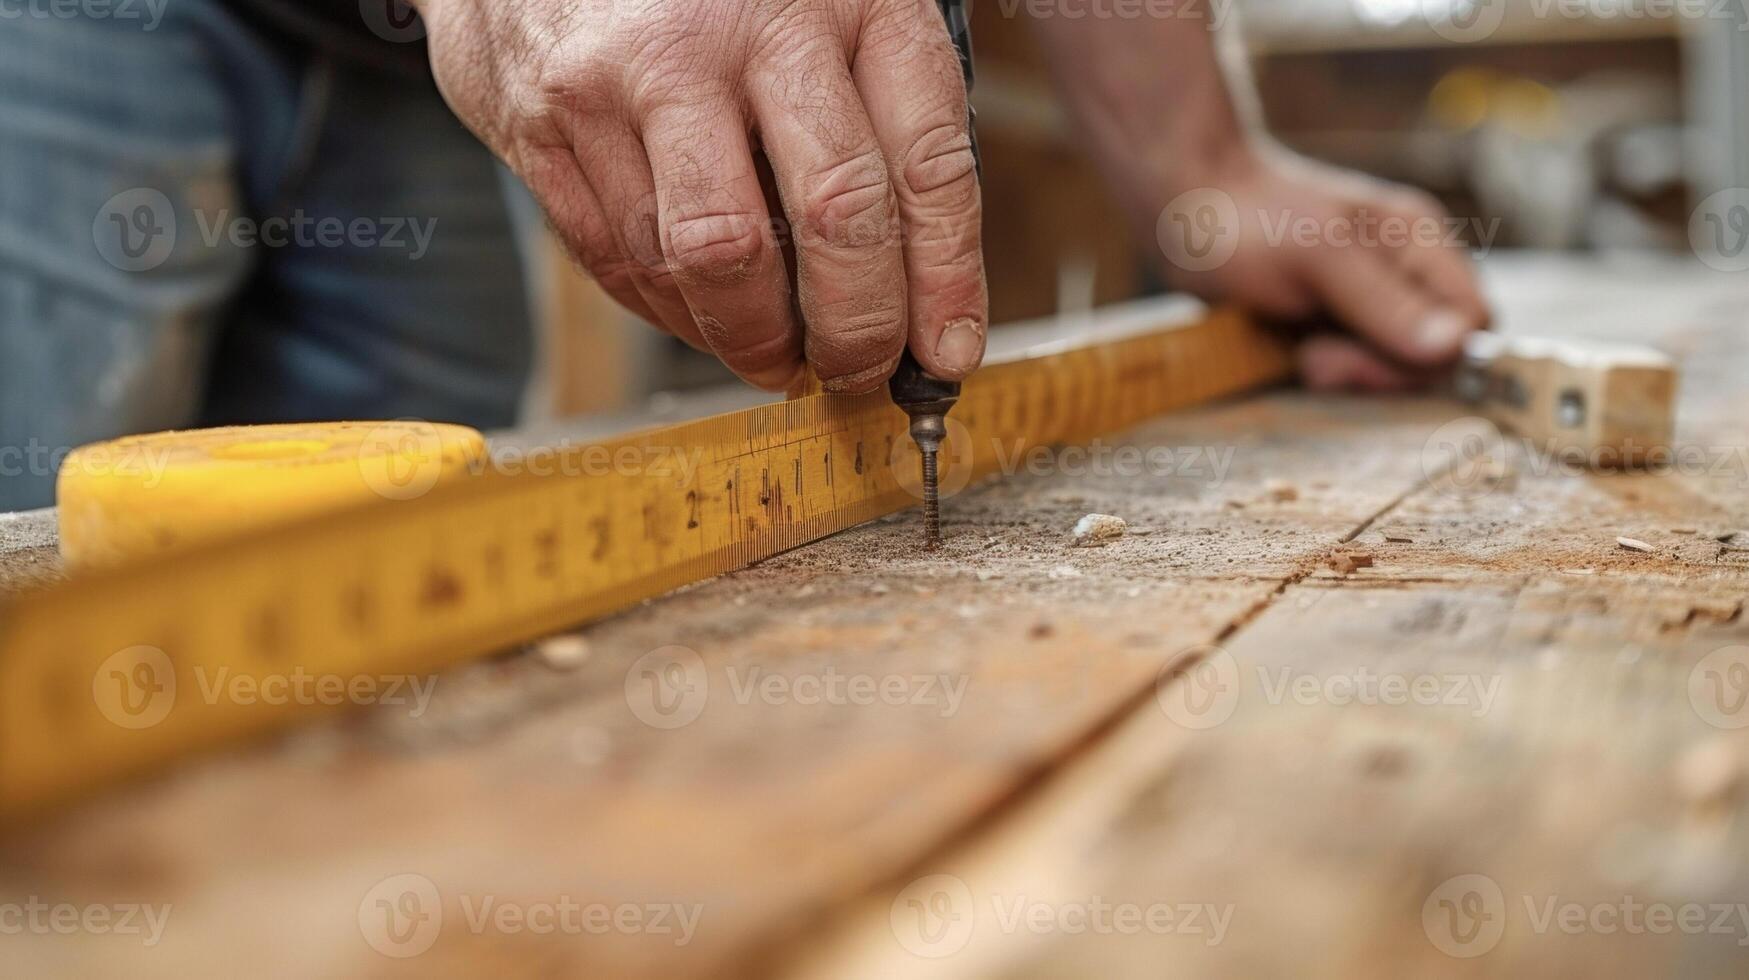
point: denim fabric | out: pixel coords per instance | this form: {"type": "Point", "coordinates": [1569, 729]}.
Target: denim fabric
{"type": "Point", "coordinates": [201, 224]}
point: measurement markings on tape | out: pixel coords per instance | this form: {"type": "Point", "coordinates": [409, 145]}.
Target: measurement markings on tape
{"type": "Point", "coordinates": [99, 676]}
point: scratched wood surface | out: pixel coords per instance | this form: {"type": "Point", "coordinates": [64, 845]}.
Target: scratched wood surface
{"type": "Point", "coordinates": [1500, 745]}
{"type": "Point", "coordinates": [1140, 759]}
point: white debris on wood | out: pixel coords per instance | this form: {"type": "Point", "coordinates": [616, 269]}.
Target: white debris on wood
{"type": "Point", "coordinates": [1096, 530]}
{"type": "Point", "coordinates": [1633, 544]}
{"type": "Point", "coordinates": [1062, 572]}
{"type": "Point", "coordinates": [563, 652]}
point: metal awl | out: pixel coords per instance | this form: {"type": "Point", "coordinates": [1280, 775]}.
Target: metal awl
{"type": "Point", "coordinates": [926, 399]}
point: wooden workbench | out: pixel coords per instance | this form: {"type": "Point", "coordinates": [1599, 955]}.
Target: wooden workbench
{"type": "Point", "coordinates": [1323, 713]}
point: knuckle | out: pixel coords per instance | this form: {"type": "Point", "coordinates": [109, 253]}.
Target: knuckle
{"type": "Point", "coordinates": [722, 249]}
{"type": "Point", "coordinates": [794, 38]}
{"type": "Point", "coordinates": [858, 342]}
{"type": "Point", "coordinates": [864, 375]}
{"type": "Point", "coordinates": [851, 204]}
{"type": "Point", "coordinates": [566, 87]}
{"type": "Point", "coordinates": [690, 52]}
{"type": "Point", "coordinates": [955, 281]}
{"type": "Point", "coordinates": [689, 79]}
{"type": "Point", "coordinates": [884, 319]}
{"type": "Point", "coordinates": [631, 68]}
{"type": "Point", "coordinates": [943, 238]}
{"type": "Point", "coordinates": [939, 167]}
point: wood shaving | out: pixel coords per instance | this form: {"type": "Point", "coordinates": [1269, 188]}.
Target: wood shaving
{"type": "Point", "coordinates": [563, 652]}
{"type": "Point", "coordinates": [1281, 491]}
{"type": "Point", "coordinates": [1098, 530]}
{"type": "Point", "coordinates": [1633, 544]}
{"type": "Point", "coordinates": [1349, 562]}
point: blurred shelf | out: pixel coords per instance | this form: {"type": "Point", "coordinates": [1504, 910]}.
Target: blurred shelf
{"type": "Point", "coordinates": [1303, 28]}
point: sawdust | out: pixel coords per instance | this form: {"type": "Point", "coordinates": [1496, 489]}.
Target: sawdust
{"type": "Point", "coordinates": [1004, 550]}
{"type": "Point", "coordinates": [29, 555]}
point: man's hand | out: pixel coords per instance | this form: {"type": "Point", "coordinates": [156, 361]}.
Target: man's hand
{"type": "Point", "coordinates": [1292, 240]}
{"type": "Point", "coordinates": [696, 155]}
{"type": "Point", "coordinates": [1239, 220]}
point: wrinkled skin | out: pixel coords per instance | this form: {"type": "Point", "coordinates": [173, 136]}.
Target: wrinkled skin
{"type": "Point", "coordinates": [790, 181]}
{"type": "Point", "coordinates": [1376, 257]}
{"type": "Point", "coordinates": [680, 149]}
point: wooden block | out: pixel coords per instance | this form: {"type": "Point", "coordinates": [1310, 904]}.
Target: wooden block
{"type": "Point", "coordinates": [1610, 406]}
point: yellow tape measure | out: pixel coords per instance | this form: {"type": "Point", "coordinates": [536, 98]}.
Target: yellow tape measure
{"type": "Point", "coordinates": [143, 497]}
{"type": "Point", "coordinates": [114, 672]}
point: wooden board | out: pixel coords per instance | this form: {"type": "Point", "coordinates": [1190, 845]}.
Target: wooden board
{"type": "Point", "coordinates": [792, 826]}
{"type": "Point", "coordinates": [1567, 760]}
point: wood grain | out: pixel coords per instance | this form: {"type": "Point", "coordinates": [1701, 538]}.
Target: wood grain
{"type": "Point", "coordinates": [1497, 700]}
{"type": "Point", "coordinates": [1320, 547]}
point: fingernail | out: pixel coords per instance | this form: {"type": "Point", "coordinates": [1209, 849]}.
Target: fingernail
{"type": "Point", "coordinates": [961, 346]}
{"type": "Point", "coordinates": [1440, 333]}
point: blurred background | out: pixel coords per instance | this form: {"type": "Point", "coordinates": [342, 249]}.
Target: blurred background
{"type": "Point", "coordinates": [1569, 125]}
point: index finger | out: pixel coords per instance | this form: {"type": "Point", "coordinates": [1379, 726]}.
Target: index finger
{"type": "Point", "coordinates": [911, 81]}
{"type": "Point", "coordinates": [834, 185]}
